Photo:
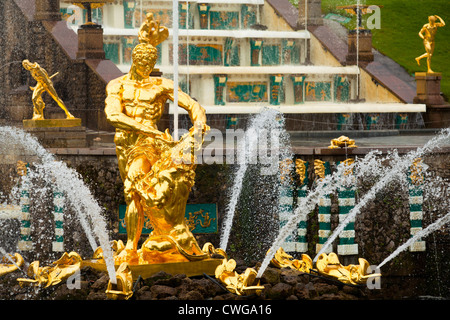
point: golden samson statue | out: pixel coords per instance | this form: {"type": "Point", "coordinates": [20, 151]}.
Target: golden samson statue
{"type": "Point", "coordinates": [157, 172]}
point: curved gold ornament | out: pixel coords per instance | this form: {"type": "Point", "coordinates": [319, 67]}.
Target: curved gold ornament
{"type": "Point", "coordinates": [152, 32]}
{"type": "Point", "coordinates": [285, 170]}
{"type": "Point", "coordinates": [10, 263]}
{"type": "Point", "coordinates": [342, 142]}
{"type": "Point", "coordinates": [329, 265]}
{"type": "Point", "coordinates": [282, 259]}
{"type": "Point", "coordinates": [319, 168]}
{"type": "Point", "coordinates": [21, 168]}
{"type": "Point", "coordinates": [416, 169]}
{"type": "Point", "coordinates": [63, 268]}
{"type": "Point", "coordinates": [240, 284]}
{"type": "Point", "coordinates": [348, 168]}
{"type": "Point", "coordinates": [123, 288]}
{"type": "Point", "coordinates": [300, 168]}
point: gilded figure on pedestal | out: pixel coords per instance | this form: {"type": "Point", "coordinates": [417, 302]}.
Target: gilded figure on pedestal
{"type": "Point", "coordinates": [44, 84]}
{"type": "Point", "coordinates": [157, 172]}
{"type": "Point", "coordinates": [428, 33]}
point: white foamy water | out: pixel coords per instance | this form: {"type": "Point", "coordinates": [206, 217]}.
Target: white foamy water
{"type": "Point", "coordinates": [398, 169]}
{"type": "Point", "coordinates": [369, 165]}
{"type": "Point", "coordinates": [268, 121]}
{"type": "Point", "coordinates": [422, 233]}
{"type": "Point", "coordinates": [68, 181]}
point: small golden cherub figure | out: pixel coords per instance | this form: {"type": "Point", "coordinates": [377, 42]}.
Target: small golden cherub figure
{"type": "Point", "coordinates": [342, 142]}
{"type": "Point", "coordinates": [428, 33]}
{"type": "Point", "coordinates": [44, 83]}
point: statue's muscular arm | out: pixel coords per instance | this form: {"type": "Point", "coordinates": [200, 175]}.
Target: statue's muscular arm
{"type": "Point", "coordinates": [116, 116]}
{"type": "Point", "coordinates": [195, 111]}
{"type": "Point", "coordinates": [441, 23]}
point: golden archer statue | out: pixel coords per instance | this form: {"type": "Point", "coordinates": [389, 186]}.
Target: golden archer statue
{"type": "Point", "coordinates": [428, 33]}
{"type": "Point", "coordinates": [44, 83]}
{"type": "Point", "coordinates": [157, 178]}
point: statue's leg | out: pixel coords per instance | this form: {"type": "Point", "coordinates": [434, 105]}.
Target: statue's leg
{"type": "Point", "coordinates": [51, 91]}
{"type": "Point", "coordinates": [38, 103]}
{"type": "Point", "coordinates": [430, 49]}
{"type": "Point", "coordinates": [425, 55]}
{"type": "Point", "coordinates": [134, 218]}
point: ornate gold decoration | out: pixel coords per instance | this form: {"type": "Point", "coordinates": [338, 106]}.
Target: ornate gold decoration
{"type": "Point", "coordinates": [283, 260]}
{"type": "Point", "coordinates": [342, 142]}
{"type": "Point", "coordinates": [209, 248]}
{"type": "Point", "coordinates": [285, 169]}
{"type": "Point", "coordinates": [21, 168]}
{"type": "Point", "coordinates": [416, 175]}
{"type": "Point", "coordinates": [117, 247]}
{"type": "Point", "coordinates": [240, 284]}
{"type": "Point", "coordinates": [152, 32]}
{"type": "Point", "coordinates": [428, 33]}
{"type": "Point", "coordinates": [63, 268]}
{"type": "Point", "coordinates": [348, 170]}
{"type": "Point", "coordinates": [43, 84]}
{"type": "Point", "coordinates": [319, 168]}
{"type": "Point", "coordinates": [194, 220]}
{"type": "Point", "coordinates": [329, 265]}
{"type": "Point", "coordinates": [300, 168]}
{"type": "Point", "coordinates": [10, 264]}
{"type": "Point", "coordinates": [123, 288]}
{"type": "Point", "coordinates": [157, 171]}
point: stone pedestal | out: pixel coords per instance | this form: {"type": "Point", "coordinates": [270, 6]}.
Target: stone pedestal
{"type": "Point", "coordinates": [57, 133]}
{"type": "Point", "coordinates": [429, 92]}
{"type": "Point", "coordinates": [18, 106]}
{"type": "Point", "coordinates": [429, 88]}
{"type": "Point", "coordinates": [313, 11]}
{"type": "Point", "coordinates": [365, 46]}
{"type": "Point", "coordinates": [90, 42]}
